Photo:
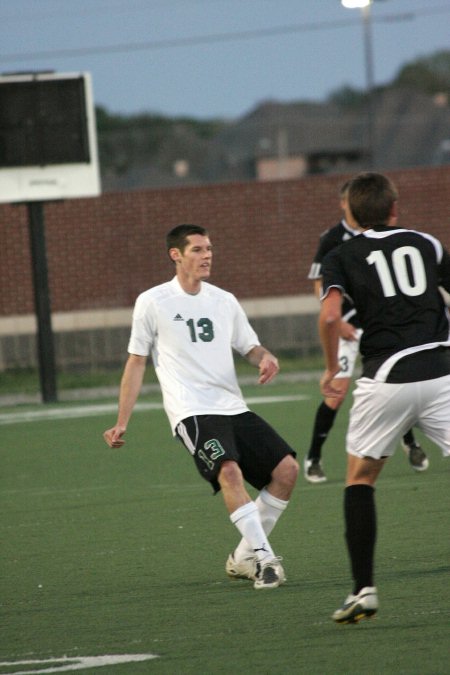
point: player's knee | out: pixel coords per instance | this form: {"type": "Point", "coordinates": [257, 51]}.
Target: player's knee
{"type": "Point", "coordinates": [286, 472]}
{"type": "Point", "coordinates": [336, 402]}
{"type": "Point", "coordinates": [230, 474]}
{"type": "Point", "coordinates": [293, 470]}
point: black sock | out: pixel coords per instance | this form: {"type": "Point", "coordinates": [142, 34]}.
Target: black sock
{"type": "Point", "coordinates": [360, 533]}
{"type": "Point", "coordinates": [408, 438]}
{"type": "Point", "coordinates": [322, 424]}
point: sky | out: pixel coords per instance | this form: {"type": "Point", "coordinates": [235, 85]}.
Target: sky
{"type": "Point", "coordinates": [217, 58]}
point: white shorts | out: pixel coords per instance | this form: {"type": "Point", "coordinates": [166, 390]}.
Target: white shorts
{"type": "Point", "coordinates": [382, 413]}
{"type": "Point", "coordinates": [348, 351]}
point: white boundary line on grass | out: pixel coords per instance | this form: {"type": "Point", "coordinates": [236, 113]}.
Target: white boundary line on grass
{"type": "Point", "coordinates": [107, 408]}
{"type": "Point", "coordinates": [75, 663]}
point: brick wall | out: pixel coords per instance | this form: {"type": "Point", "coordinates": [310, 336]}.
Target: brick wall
{"type": "Point", "coordinates": [102, 252]}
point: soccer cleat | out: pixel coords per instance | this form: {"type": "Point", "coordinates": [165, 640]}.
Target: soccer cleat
{"type": "Point", "coordinates": [313, 471]}
{"type": "Point", "coordinates": [270, 575]}
{"type": "Point", "coordinates": [247, 568]}
{"type": "Point", "coordinates": [357, 607]}
{"type": "Point", "coordinates": [417, 457]}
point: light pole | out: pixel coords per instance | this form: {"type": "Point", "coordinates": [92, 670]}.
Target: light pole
{"type": "Point", "coordinates": [364, 6]}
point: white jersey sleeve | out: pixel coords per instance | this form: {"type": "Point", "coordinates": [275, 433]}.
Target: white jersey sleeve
{"type": "Point", "coordinates": [143, 327]}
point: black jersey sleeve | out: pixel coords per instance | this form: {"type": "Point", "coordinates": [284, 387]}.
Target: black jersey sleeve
{"type": "Point", "coordinates": [315, 271]}
{"type": "Point", "coordinates": [333, 273]}
{"type": "Point", "coordinates": [328, 240]}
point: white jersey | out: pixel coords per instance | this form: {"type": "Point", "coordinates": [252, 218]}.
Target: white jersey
{"type": "Point", "coordinates": [191, 340]}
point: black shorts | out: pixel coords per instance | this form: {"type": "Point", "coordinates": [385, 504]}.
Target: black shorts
{"type": "Point", "coordinates": [246, 439]}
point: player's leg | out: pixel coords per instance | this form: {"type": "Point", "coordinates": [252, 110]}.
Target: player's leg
{"type": "Point", "coordinates": [379, 415]}
{"type": "Point", "coordinates": [323, 423]}
{"type": "Point", "coordinates": [243, 511]}
{"type": "Point", "coordinates": [256, 520]}
{"type": "Point", "coordinates": [360, 517]}
{"type": "Point", "coordinates": [273, 499]}
{"type": "Point", "coordinates": [348, 351]}
{"type": "Point", "coordinates": [360, 535]}
{"type": "Point", "coordinates": [242, 564]}
{"type": "Point", "coordinates": [211, 441]}
{"type": "Point", "coordinates": [265, 566]}
{"type": "Point", "coordinates": [268, 463]}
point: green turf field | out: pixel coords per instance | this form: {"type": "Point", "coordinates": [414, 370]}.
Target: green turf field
{"type": "Point", "coordinates": [108, 553]}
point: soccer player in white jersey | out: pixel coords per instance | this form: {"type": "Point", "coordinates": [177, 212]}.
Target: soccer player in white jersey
{"type": "Point", "coordinates": [190, 328]}
{"type": "Point", "coordinates": [393, 276]}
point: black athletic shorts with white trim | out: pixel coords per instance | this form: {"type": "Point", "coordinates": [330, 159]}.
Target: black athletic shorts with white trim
{"type": "Point", "coordinates": [245, 438]}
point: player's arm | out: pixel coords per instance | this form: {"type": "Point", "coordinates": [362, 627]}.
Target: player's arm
{"type": "Point", "coordinates": [329, 331]}
{"type": "Point", "coordinates": [347, 330]}
{"type": "Point", "coordinates": [266, 362]}
{"type": "Point", "coordinates": [130, 387]}
{"type": "Point", "coordinates": [318, 288]}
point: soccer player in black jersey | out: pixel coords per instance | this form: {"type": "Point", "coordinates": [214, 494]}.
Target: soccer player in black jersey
{"type": "Point", "coordinates": [349, 338]}
{"type": "Point", "coordinates": [393, 276]}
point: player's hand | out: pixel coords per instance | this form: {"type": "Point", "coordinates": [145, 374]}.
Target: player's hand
{"type": "Point", "coordinates": [326, 386]}
{"type": "Point", "coordinates": [268, 368]}
{"type": "Point", "coordinates": [348, 331]}
{"type": "Point", "coordinates": [113, 437]}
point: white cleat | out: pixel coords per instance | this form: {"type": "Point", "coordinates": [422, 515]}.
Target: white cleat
{"type": "Point", "coordinates": [271, 574]}
{"type": "Point", "coordinates": [357, 607]}
{"type": "Point", "coordinates": [247, 568]}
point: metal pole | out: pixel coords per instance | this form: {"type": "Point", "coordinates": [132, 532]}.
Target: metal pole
{"type": "Point", "coordinates": [46, 353]}
{"type": "Point", "coordinates": [368, 51]}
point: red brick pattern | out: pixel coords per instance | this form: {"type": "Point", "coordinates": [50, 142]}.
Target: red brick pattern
{"type": "Point", "coordinates": [102, 252]}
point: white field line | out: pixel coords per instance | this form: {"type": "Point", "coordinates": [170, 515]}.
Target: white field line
{"type": "Point", "coordinates": [107, 408]}
{"type": "Point", "coordinates": [65, 663]}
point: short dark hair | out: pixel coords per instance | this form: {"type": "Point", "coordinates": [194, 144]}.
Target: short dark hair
{"type": "Point", "coordinates": [370, 198]}
{"type": "Point", "coordinates": [177, 237]}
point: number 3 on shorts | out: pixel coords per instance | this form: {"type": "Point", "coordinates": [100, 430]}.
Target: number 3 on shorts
{"type": "Point", "coordinates": [214, 450]}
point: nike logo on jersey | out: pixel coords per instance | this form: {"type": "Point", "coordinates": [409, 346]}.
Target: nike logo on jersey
{"type": "Point", "coordinates": [178, 317]}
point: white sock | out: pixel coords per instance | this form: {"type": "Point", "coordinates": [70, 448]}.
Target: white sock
{"type": "Point", "coordinates": [270, 509]}
{"type": "Point", "coordinates": [247, 520]}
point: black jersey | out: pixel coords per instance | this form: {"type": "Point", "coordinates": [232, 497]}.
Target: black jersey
{"type": "Point", "coordinates": [392, 277]}
{"type": "Point", "coordinates": [335, 236]}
